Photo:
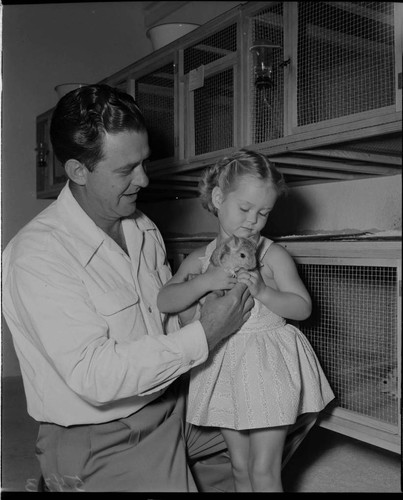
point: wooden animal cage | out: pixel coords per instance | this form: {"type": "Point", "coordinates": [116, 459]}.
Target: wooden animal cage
{"type": "Point", "coordinates": [355, 330]}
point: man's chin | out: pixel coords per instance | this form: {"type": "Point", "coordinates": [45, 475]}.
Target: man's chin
{"type": "Point", "coordinates": [128, 209]}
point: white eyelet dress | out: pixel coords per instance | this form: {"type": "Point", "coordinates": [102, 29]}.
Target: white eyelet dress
{"type": "Point", "coordinates": [264, 375]}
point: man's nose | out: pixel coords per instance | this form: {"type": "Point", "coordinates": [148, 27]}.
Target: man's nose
{"type": "Point", "coordinates": [140, 178]}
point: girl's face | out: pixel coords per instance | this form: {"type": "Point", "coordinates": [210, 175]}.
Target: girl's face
{"type": "Point", "coordinates": [244, 211]}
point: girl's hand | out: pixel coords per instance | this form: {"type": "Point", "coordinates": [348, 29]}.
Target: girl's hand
{"type": "Point", "coordinates": [253, 280]}
{"type": "Point", "coordinates": [218, 279]}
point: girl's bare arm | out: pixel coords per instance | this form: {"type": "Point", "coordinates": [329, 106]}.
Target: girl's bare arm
{"type": "Point", "coordinates": [288, 296]}
{"type": "Point", "coordinates": [189, 284]}
{"type": "Point", "coordinates": [180, 292]}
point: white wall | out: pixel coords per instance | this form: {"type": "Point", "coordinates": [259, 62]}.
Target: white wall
{"type": "Point", "coordinates": [372, 204]}
{"type": "Point", "coordinates": [44, 45]}
{"type": "Point", "coordinates": [369, 205]}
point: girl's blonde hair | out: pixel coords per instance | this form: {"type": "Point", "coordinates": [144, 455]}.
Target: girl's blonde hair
{"type": "Point", "coordinates": [227, 172]}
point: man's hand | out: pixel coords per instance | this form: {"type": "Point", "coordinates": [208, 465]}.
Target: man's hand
{"type": "Point", "coordinates": [222, 315]}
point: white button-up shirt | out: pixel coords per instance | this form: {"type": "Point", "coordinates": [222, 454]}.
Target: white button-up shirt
{"type": "Point", "coordinates": [83, 316]}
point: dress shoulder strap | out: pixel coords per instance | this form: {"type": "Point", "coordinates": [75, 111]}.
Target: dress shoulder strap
{"type": "Point", "coordinates": [262, 247]}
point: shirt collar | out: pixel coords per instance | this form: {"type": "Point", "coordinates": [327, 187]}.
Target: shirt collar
{"type": "Point", "coordinates": [87, 237]}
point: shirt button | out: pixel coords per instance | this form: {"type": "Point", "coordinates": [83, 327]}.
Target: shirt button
{"type": "Point", "coordinates": [191, 362]}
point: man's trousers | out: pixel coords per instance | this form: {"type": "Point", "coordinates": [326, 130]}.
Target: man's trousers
{"type": "Point", "coordinates": [152, 450]}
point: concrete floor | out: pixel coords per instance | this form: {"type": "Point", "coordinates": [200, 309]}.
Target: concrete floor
{"type": "Point", "coordinates": [325, 462]}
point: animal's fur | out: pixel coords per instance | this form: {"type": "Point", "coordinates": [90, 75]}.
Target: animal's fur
{"type": "Point", "coordinates": [235, 253]}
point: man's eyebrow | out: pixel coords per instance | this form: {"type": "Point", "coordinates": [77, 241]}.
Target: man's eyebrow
{"type": "Point", "coordinates": [129, 166]}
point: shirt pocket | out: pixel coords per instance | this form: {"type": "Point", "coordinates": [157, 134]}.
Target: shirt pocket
{"type": "Point", "coordinates": [160, 276]}
{"type": "Point", "coordinates": [115, 301]}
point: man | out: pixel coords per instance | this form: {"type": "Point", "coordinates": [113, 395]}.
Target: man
{"type": "Point", "coordinates": [80, 283]}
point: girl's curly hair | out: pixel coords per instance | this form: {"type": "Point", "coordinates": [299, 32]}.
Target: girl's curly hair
{"type": "Point", "coordinates": [227, 172]}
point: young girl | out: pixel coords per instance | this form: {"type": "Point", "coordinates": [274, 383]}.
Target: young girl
{"type": "Point", "coordinates": [256, 383]}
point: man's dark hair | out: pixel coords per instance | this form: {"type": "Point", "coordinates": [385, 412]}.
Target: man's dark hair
{"type": "Point", "coordinates": [83, 116]}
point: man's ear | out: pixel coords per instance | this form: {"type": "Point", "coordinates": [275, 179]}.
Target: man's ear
{"type": "Point", "coordinates": [217, 197]}
{"type": "Point", "coordinates": [76, 171]}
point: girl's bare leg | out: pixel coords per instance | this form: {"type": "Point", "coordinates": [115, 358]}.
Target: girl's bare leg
{"type": "Point", "coordinates": [265, 455]}
{"type": "Point", "coordinates": [238, 448]}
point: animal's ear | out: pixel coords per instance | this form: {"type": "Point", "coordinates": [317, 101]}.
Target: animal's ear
{"type": "Point", "coordinates": [218, 254]}
{"type": "Point", "coordinates": [253, 244]}
{"type": "Point", "coordinates": [215, 257]}
{"type": "Point", "coordinates": [235, 239]}
{"type": "Point", "coordinates": [225, 250]}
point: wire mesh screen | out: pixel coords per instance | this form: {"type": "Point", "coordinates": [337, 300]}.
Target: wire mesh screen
{"type": "Point", "coordinates": [210, 49]}
{"type": "Point", "coordinates": [267, 104]}
{"type": "Point", "coordinates": [155, 97]}
{"type": "Point", "coordinates": [214, 113]}
{"type": "Point", "coordinates": [353, 330]}
{"type": "Point", "coordinates": [345, 59]}
{"type": "Point", "coordinates": [213, 102]}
